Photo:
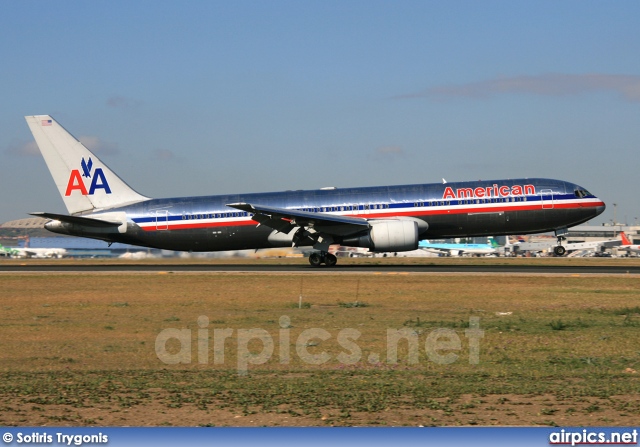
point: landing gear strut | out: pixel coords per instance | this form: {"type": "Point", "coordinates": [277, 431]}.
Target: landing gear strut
{"type": "Point", "coordinates": [559, 250]}
{"type": "Point", "coordinates": [317, 259]}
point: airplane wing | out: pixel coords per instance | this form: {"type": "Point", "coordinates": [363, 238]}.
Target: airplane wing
{"type": "Point", "coordinates": [30, 253]}
{"type": "Point", "coordinates": [442, 251]}
{"type": "Point", "coordinates": [434, 250]}
{"type": "Point", "coordinates": [284, 220]}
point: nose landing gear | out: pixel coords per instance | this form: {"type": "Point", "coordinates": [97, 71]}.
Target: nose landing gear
{"type": "Point", "coordinates": [559, 250]}
{"type": "Point", "coordinates": [316, 259]}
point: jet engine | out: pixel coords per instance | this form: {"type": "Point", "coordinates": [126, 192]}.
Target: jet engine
{"type": "Point", "coordinates": [387, 235]}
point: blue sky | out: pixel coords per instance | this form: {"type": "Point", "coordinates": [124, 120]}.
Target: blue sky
{"type": "Point", "coordinates": [205, 97]}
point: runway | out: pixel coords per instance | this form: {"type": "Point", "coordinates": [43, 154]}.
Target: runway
{"type": "Point", "coordinates": [303, 268]}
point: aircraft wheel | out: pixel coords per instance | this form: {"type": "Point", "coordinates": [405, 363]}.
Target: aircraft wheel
{"type": "Point", "coordinates": [330, 260]}
{"type": "Point", "coordinates": [315, 260]}
{"type": "Point", "coordinates": [559, 250]}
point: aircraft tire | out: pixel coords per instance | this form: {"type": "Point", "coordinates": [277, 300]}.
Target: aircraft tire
{"type": "Point", "coordinates": [559, 250]}
{"type": "Point", "coordinates": [315, 260]}
{"type": "Point", "coordinates": [330, 260]}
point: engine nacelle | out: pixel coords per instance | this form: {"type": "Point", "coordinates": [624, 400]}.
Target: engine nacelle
{"type": "Point", "coordinates": [388, 235]}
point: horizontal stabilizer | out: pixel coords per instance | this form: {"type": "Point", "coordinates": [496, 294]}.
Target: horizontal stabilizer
{"type": "Point", "coordinates": [77, 220]}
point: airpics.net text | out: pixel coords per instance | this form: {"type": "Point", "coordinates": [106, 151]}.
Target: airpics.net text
{"type": "Point", "coordinates": [257, 346]}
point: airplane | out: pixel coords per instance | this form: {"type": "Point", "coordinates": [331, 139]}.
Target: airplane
{"type": "Point", "coordinates": [382, 219]}
{"type": "Point", "coordinates": [7, 251]}
{"type": "Point", "coordinates": [592, 246]}
{"type": "Point", "coordinates": [490, 247]}
{"type": "Point", "coordinates": [627, 245]}
{"type": "Point", "coordinates": [16, 252]}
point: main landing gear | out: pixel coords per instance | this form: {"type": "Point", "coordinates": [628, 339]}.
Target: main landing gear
{"type": "Point", "coordinates": [316, 259]}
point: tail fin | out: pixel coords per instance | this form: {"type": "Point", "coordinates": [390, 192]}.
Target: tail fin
{"type": "Point", "coordinates": [625, 239]}
{"type": "Point", "coordinates": [84, 182]}
{"type": "Point", "coordinates": [494, 243]}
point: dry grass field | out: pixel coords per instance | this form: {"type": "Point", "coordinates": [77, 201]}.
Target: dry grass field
{"type": "Point", "coordinates": [81, 349]}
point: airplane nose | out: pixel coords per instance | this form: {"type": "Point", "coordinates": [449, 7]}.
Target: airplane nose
{"type": "Point", "coordinates": [600, 209]}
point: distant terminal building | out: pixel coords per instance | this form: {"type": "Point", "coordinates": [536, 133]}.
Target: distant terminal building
{"type": "Point", "coordinates": [31, 223]}
{"type": "Point", "coordinates": [588, 233]}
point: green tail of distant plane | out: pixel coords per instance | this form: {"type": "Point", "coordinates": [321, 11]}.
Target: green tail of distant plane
{"type": "Point", "coordinates": [7, 251]}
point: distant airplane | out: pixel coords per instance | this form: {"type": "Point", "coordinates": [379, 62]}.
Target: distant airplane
{"type": "Point", "coordinates": [382, 219]}
{"type": "Point", "coordinates": [627, 245]}
{"type": "Point", "coordinates": [593, 246]}
{"type": "Point", "coordinates": [7, 251]}
{"type": "Point", "coordinates": [16, 252]}
{"type": "Point", "coordinates": [491, 247]}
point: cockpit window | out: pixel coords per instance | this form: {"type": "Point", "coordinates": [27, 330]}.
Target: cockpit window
{"type": "Point", "coordinates": [581, 193]}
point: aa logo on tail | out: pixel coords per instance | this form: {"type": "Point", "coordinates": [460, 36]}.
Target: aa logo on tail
{"type": "Point", "coordinates": [98, 180]}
